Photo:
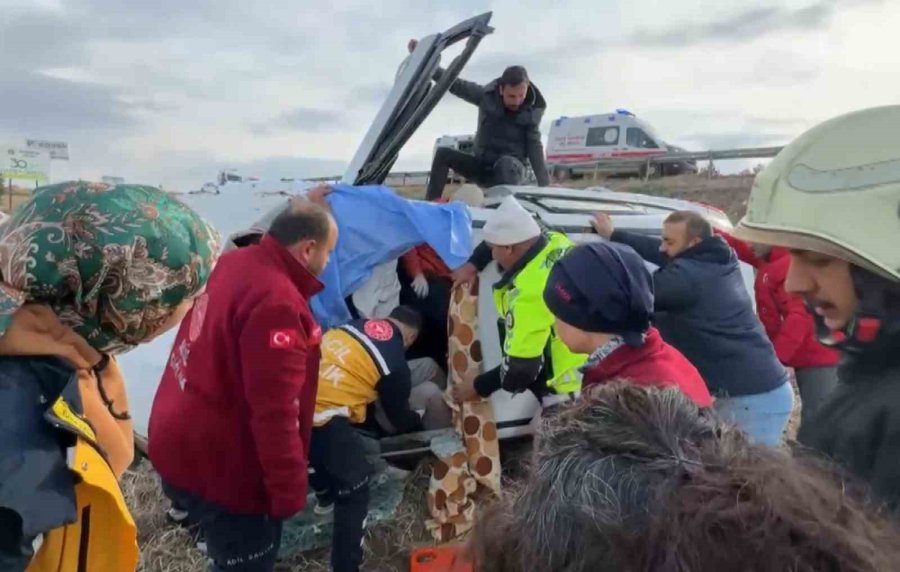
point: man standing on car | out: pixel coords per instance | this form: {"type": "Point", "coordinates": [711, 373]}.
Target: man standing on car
{"type": "Point", "coordinates": [837, 212]}
{"type": "Point", "coordinates": [703, 309]}
{"type": "Point", "coordinates": [534, 357]}
{"type": "Point", "coordinates": [510, 110]}
{"type": "Point", "coordinates": [230, 426]}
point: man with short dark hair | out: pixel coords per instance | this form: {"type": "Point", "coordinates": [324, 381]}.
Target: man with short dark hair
{"type": "Point", "coordinates": [703, 309]}
{"type": "Point", "coordinates": [362, 362]}
{"type": "Point", "coordinates": [510, 110]}
{"type": "Point", "coordinates": [230, 426]}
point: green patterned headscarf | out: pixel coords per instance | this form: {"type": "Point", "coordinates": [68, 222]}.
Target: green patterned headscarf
{"type": "Point", "coordinates": [114, 262]}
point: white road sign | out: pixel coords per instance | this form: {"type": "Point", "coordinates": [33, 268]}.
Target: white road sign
{"type": "Point", "coordinates": [57, 149]}
{"type": "Point", "coordinates": [24, 164]}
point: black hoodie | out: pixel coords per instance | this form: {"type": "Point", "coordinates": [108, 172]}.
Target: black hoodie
{"type": "Point", "coordinates": [858, 424]}
{"type": "Point", "coordinates": [703, 308]}
{"type": "Point", "coordinates": [502, 132]}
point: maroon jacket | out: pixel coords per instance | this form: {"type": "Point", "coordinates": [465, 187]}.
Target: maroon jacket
{"type": "Point", "coordinates": [232, 417]}
{"type": "Point", "coordinates": [788, 323]}
{"type": "Point", "coordinates": [655, 363]}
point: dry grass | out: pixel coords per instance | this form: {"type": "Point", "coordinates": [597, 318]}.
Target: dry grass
{"type": "Point", "coordinates": [169, 548]}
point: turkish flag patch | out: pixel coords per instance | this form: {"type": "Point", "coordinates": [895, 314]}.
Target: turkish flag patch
{"type": "Point", "coordinates": [379, 330]}
{"type": "Point", "coordinates": [283, 339]}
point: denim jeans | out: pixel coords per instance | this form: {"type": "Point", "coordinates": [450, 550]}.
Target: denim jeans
{"type": "Point", "coordinates": [763, 416]}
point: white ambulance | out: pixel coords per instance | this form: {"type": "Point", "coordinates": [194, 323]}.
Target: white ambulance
{"type": "Point", "coordinates": [464, 143]}
{"type": "Point", "coordinates": [580, 141]}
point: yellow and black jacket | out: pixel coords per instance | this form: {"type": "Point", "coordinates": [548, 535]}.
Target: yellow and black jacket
{"type": "Point", "coordinates": [361, 362]}
{"type": "Point", "coordinates": [69, 443]}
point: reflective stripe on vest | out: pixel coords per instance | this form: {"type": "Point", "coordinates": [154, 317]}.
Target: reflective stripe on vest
{"type": "Point", "coordinates": [529, 323]}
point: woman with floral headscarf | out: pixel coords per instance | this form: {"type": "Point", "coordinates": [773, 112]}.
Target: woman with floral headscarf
{"type": "Point", "coordinates": [87, 271]}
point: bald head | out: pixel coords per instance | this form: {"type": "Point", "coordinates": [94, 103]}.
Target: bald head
{"type": "Point", "coordinates": [308, 232]}
{"type": "Point", "coordinates": [302, 220]}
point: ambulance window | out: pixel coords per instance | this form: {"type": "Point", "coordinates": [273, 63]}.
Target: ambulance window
{"type": "Point", "coordinates": [599, 136]}
{"type": "Point", "coordinates": [635, 137]}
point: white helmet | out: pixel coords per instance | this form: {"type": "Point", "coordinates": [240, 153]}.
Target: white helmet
{"type": "Point", "coordinates": [835, 190]}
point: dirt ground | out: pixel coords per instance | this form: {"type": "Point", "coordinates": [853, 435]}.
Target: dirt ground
{"type": "Point", "coordinates": [19, 196]}
{"type": "Point", "coordinates": [169, 548]}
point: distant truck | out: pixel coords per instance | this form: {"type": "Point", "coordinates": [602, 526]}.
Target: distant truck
{"type": "Point", "coordinates": [575, 144]}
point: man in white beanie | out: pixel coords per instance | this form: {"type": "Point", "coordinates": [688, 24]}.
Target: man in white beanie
{"type": "Point", "coordinates": [534, 357]}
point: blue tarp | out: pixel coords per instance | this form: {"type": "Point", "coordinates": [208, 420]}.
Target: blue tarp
{"type": "Point", "coordinates": [377, 225]}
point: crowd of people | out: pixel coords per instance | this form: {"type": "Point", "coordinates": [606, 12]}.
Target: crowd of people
{"type": "Point", "coordinates": [666, 395]}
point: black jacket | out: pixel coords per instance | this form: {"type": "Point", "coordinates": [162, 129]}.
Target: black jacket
{"type": "Point", "coordinates": [37, 489]}
{"type": "Point", "coordinates": [504, 133]}
{"type": "Point", "coordinates": [703, 309]}
{"type": "Point", "coordinates": [858, 424]}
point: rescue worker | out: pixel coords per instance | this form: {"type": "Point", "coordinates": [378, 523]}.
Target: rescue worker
{"type": "Point", "coordinates": [510, 110]}
{"type": "Point", "coordinates": [231, 422]}
{"type": "Point", "coordinates": [87, 271]}
{"type": "Point", "coordinates": [789, 324]}
{"type": "Point", "coordinates": [602, 297]}
{"type": "Point", "coordinates": [703, 309]}
{"type": "Point", "coordinates": [534, 357]}
{"type": "Point", "coordinates": [362, 361]}
{"type": "Point", "coordinates": [839, 214]}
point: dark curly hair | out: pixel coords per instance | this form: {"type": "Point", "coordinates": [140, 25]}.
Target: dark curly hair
{"type": "Point", "coordinates": [638, 479]}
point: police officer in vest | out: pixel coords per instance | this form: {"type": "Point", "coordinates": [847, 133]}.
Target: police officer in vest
{"type": "Point", "coordinates": [534, 357]}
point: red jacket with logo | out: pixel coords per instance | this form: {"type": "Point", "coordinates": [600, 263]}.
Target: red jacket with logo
{"type": "Point", "coordinates": [232, 418]}
{"type": "Point", "coordinates": [785, 317]}
{"type": "Point", "coordinates": [655, 363]}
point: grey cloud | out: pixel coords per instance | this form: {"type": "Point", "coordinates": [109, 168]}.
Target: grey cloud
{"type": "Point", "coordinates": [40, 103]}
{"type": "Point", "coordinates": [302, 119]}
{"type": "Point", "coordinates": [738, 28]}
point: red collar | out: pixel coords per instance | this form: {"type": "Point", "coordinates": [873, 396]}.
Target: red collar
{"type": "Point", "coordinates": [624, 356]}
{"type": "Point", "coordinates": [307, 284]}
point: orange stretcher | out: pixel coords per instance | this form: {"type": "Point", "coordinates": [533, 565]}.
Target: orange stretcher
{"type": "Point", "coordinates": [439, 559]}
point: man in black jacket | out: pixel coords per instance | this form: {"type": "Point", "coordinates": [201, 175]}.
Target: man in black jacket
{"type": "Point", "coordinates": [838, 213]}
{"type": "Point", "coordinates": [510, 110]}
{"type": "Point", "coordinates": [703, 308]}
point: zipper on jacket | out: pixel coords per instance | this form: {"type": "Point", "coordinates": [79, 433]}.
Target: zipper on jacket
{"type": "Point", "coordinates": [85, 538]}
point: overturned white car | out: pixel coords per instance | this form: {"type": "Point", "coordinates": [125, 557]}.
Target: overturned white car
{"type": "Point", "coordinates": [234, 206]}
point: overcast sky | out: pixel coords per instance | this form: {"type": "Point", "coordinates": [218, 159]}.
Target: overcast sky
{"type": "Point", "coordinates": [171, 91]}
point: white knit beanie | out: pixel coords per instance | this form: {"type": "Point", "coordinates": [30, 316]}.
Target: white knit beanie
{"type": "Point", "coordinates": [510, 224]}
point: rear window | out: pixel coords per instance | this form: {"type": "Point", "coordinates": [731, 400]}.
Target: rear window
{"type": "Point", "coordinates": [602, 136]}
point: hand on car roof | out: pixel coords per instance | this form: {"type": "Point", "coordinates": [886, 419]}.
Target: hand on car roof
{"type": "Point", "coordinates": [603, 224]}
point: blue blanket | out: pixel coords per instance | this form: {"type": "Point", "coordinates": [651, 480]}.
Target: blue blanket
{"type": "Point", "coordinates": [376, 225]}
